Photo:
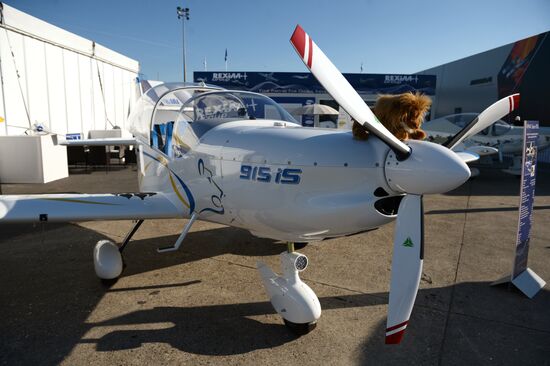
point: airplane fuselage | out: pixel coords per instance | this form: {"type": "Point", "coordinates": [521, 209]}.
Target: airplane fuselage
{"type": "Point", "coordinates": [278, 180]}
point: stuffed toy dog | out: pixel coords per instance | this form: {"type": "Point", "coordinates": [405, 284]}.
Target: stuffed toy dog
{"type": "Point", "coordinates": [401, 114]}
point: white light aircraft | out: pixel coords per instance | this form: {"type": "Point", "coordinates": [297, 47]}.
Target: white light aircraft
{"type": "Point", "coordinates": [217, 158]}
{"type": "Point", "coordinates": [501, 137]}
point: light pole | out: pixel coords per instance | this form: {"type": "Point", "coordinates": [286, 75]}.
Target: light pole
{"type": "Point", "coordinates": [183, 14]}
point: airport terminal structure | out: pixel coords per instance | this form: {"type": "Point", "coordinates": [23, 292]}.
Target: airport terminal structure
{"type": "Point", "coordinates": [469, 84]}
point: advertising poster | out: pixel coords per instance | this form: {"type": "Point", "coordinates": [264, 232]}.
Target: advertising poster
{"type": "Point", "coordinates": [305, 82]}
{"type": "Point", "coordinates": [517, 63]}
{"type": "Point", "coordinates": [527, 196]}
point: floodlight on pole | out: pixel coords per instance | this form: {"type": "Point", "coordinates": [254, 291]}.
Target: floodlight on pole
{"type": "Point", "coordinates": [183, 14]}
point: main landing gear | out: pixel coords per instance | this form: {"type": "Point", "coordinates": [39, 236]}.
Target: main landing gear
{"type": "Point", "coordinates": [293, 300]}
{"type": "Point", "coordinates": [108, 262]}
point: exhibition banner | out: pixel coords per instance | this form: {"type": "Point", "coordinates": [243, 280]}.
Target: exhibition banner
{"type": "Point", "coordinates": [305, 82]}
{"type": "Point", "coordinates": [528, 175]}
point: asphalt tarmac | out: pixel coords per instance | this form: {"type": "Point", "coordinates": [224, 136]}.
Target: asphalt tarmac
{"type": "Point", "coordinates": [205, 304]}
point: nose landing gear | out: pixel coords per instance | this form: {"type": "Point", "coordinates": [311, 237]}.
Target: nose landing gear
{"type": "Point", "coordinates": [291, 298]}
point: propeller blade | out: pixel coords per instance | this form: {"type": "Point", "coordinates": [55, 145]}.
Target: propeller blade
{"type": "Point", "coordinates": [340, 89]}
{"type": "Point", "coordinates": [408, 252]}
{"type": "Point", "coordinates": [486, 118]}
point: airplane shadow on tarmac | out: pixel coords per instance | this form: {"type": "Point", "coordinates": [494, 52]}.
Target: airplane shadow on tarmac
{"type": "Point", "coordinates": [49, 287]}
{"type": "Point", "coordinates": [196, 246]}
{"type": "Point", "coordinates": [50, 290]}
{"type": "Point", "coordinates": [474, 339]}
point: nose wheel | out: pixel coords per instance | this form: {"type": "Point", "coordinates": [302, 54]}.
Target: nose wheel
{"type": "Point", "coordinates": [291, 298]}
{"type": "Point", "coordinates": [300, 329]}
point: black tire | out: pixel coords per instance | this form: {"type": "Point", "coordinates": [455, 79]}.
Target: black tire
{"type": "Point", "coordinates": [298, 246]}
{"type": "Point", "coordinates": [108, 282]}
{"type": "Point", "coordinates": [300, 329]}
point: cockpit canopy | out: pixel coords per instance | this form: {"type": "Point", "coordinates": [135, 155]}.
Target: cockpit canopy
{"type": "Point", "coordinates": [208, 110]}
{"type": "Point", "coordinates": [498, 128]}
{"type": "Point", "coordinates": [162, 103]}
{"type": "Point", "coordinates": [173, 117]}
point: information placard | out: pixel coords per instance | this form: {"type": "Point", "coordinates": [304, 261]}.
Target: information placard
{"type": "Point", "coordinates": [527, 196]}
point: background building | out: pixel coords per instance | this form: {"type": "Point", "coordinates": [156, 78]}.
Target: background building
{"type": "Point", "coordinates": [472, 83]}
{"type": "Point", "coordinates": [55, 78]}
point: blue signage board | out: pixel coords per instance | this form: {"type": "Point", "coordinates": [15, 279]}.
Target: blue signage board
{"type": "Point", "coordinates": [73, 136]}
{"type": "Point", "coordinates": [528, 175]}
{"type": "Point", "coordinates": [305, 82]}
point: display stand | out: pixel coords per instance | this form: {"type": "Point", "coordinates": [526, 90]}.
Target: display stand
{"type": "Point", "coordinates": [522, 277]}
{"type": "Point", "coordinates": [32, 159]}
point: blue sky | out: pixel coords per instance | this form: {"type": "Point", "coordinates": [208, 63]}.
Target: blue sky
{"type": "Point", "coordinates": [387, 36]}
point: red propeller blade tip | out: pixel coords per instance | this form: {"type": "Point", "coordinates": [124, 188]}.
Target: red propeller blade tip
{"type": "Point", "coordinates": [516, 101]}
{"type": "Point", "coordinates": [399, 329]}
{"type": "Point", "coordinates": [298, 39]}
{"type": "Point", "coordinates": [395, 338]}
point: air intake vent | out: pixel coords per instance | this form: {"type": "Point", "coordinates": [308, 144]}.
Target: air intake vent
{"type": "Point", "coordinates": [380, 192]}
{"type": "Point", "coordinates": [388, 206]}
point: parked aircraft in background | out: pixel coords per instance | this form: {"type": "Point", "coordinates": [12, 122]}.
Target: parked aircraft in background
{"type": "Point", "coordinates": [500, 138]}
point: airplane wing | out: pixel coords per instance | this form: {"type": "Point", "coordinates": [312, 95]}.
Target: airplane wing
{"type": "Point", "coordinates": [480, 150]}
{"type": "Point", "coordinates": [100, 142]}
{"type": "Point", "coordinates": [467, 156]}
{"type": "Point", "coordinates": [86, 207]}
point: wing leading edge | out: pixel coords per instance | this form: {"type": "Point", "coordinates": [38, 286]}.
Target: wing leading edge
{"type": "Point", "coordinates": [100, 142]}
{"type": "Point", "coordinates": [86, 207]}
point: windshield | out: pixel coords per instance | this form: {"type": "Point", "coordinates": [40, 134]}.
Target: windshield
{"type": "Point", "coordinates": [232, 105]}
{"type": "Point", "coordinates": [205, 111]}
{"type": "Point", "coordinates": [500, 127]}
{"type": "Point", "coordinates": [461, 119]}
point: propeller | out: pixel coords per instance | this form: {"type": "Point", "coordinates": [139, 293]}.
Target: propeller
{"type": "Point", "coordinates": [486, 118]}
{"type": "Point", "coordinates": [336, 85]}
{"type": "Point", "coordinates": [408, 252]}
{"type": "Point", "coordinates": [415, 168]}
